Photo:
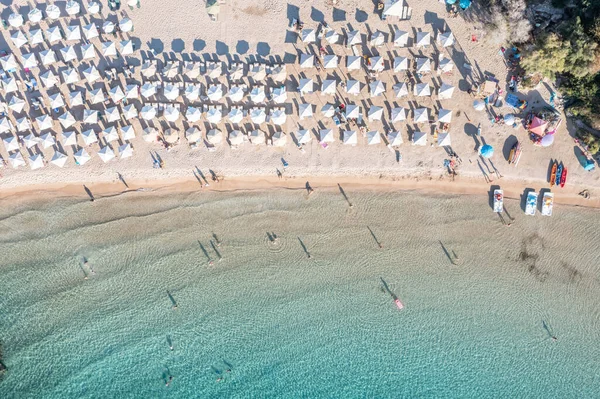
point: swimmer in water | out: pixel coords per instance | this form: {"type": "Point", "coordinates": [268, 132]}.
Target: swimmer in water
{"type": "Point", "coordinates": [219, 379]}
{"type": "Point", "coordinates": [228, 370]}
{"type": "Point", "coordinates": [171, 347]}
{"type": "Point", "coordinates": [168, 382]}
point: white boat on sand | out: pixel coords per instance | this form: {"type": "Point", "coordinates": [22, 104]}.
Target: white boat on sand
{"type": "Point", "coordinates": [547, 203]}
{"type": "Point", "coordinates": [531, 204]}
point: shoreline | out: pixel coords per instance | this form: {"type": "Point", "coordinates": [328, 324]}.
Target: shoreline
{"type": "Point", "coordinates": [513, 189]}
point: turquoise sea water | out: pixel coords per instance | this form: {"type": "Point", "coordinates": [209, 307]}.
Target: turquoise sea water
{"type": "Point", "coordinates": [292, 326]}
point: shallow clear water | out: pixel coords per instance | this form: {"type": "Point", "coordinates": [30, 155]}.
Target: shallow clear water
{"type": "Point", "coordinates": [287, 325]}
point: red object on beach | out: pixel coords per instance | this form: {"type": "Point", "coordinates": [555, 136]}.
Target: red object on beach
{"type": "Point", "coordinates": [563, 177]}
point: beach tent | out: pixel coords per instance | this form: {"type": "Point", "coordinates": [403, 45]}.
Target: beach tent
{"type": "Point", "coordinates": [59, 159]}
{"type": "Point", "coordinates": [106, 153]}
{"type": "Point", "coordinates": [400, 64]}
{"type": "Point", "coordinates": [214, 114]}
{"type": "Point", "coordinates": [81, 157]}
{"type": "Point", "coordinates": [306, 86]}
{"type": "Point", "coordinates": [47, 140]}
{"type": "Point", "coordinates": [308, 35]}
{"type": "Point", "coordinates": [192, 70]}
{"type": "Point", "coordinates": [15, 20]}
{"type": "Point", "coordinates": [193, 114]}
{"type": "Point", "coordinates": [236, 93]}
{"type": "Point", "coordinates": [9, 63]}
{"type": "Point", "coordinates": [75, 98]}
{"type": "Point", "coordinates": [423, 65]}
{"type": "Point", "coordinates": [547, 140]}
{"type": "Point", "coordinates": [16, 104]}
{"type": "Point", "coordinates": [16, 159]}
{"type": "Point", "coordinates": [257, 137]}
{"type": "Point", "coordinates": [375, 113]}
{"type": "Point", "coordinates": [392, 8]}
{"type": "Point", "coordinates": [66, 120]}
{"type": "Point", "coordinates": [150, 135]}
{"type": "Point", "coordinates": [126, 25]}
{"type": "Point", "coordinates": [10, 85]}
{"type": "Point", "coordinates": [44, 122]}
{"type": "Point", "coordinates": [328, 86]}
{"type": "Point", "coordinates": [112, 114]}
{"type": "Point", "coordinates": [376, 64]}
{"type": "Point", "coordinates": [376, 88]}
{"type": "Point", "coordinates": [398, 114]}
{"type": "Point", "coordinates": [94, 7]}
{"type": "Point", "coordinates": [354, 37]}
{"type": "Point", "coordinates": [352, 111]}
{"type": "Point", "coordinates": [171, 91]}
{"type": "Point", "coordinates": [330, 61]}
{"type": "Point", "coordinates": [445, 65]}
{"type": "Point", "coordinates": [307, 60]}
{"type": "Point", "coordinates": [400, 38]}
{"type": "Point", "coordinates": [350, 137]}
{"type": "Point", "coordinates": [148, 69]}
{"type": "Point", "coordinates": [35, 15]}
{"type": "Point", "coordinates": [56, 100]}
{"type": "Point", "coordinates": [422, 90]}
{"type": "Point", "coordinates": [278, 116]}
{"type": "Point", "coordinates": [257, 95]}
{"type": "Point", "coordinates": [88, 51]}
{"type": "Point", "coordinates": [419, 138]}
{"type": "Point", "coordinates": [326, 136]}
{"type": "Point", "coordinates": [90, 116]}
{"type": "Point", "coordinates": [72, 7]}
{"type": "Point", "coordinates": [328, 110]}
{"type": "Point", "coordinates": [110, 134]}
{"type": "Point", "coordinates": [171, 113]}
{"type": "Point", "coordinates": [23, 124]}
{"type": "Point", "coordinates": [18, 38]}
{"type": "Point", "coordinates": [258, 115]}
{"type": "Point", "coordinates": [421, 115]}
{"type": "Point", "coordinates": [130, 112]}
{"type": "Point", "coordinates": [258, 72]}
{"type": "Point", "coordinates": [215, 92]}
{"type": "Point", "coordinates": [89, 137]}
{"type": "Point", "coordinates": [445, 91]}
{"type": "Point", "coordinates": [373, 137]}
{"type": "Point", "coordinates": [305, 111]}
{"type": "Point", "coordinates": [10, 143]}
{"type": "Point", "coordinates": [73, 33]}
{"type": "Point", "coordinates": [377, 38]}
{"type": "Point", "coordinates": [116, 94]}
{"type": "Point", "coordinates": [97, 96]}
{"type": "Point", "coordinates": [125, 151]}
{"type": "Point", "coordinates": [214, 136]}
{"type": "Point", "coordinates": [423, 39]}
{"type": "Point", "coordinates": [279, 139]}
{"type": "Point", "coordinates": [235, 115]}
{"type": "Point", "coordinates": [353, 87]}
{"type": "Point", "coordinates": [353, 63]}
{"type": "Point", "coordinates": [70, 76]}
{"type": "Point", "coordinates": [538, 126]}
{"type": "Point", "coordinates": [36, 36]}
{"type": "Point", "coordinates": [48, 57]}
{"type": "Point", "coordinates": [395, 138]}
{"type": "Point", "coordinates": [444, 115]}
{"type": "Point", "coordinates": [52, 11]}
{"type": "Point", "coordinates": [90, 31]}
{"type": "Point", "coordinates": [446, 39]}
{"type": "Point", "coordinates": [279, 73]}
{"type": "Point", "coordinates": [332, 37]}
{"type": "Point", "coordinates": [126, 47]}
{"type": "Point", "coordinates": [486, 151]}
{"type": "Point", "coordinates": [444, 140]}
{"type": "Point", "coordinates": [192, 92]}
{"type": "Point", "coordinates": [303, 136]}
{"type": "Point", "coordinates": [53, 34]}
{"type": "Point", "coordinates": [148, 112]}
{"type": "Point", "coordinates": [69, 138]}
{"type": "Point", "coordinates": [236, 138]}
{"type": "Point", "coordinates": [68, 53]}
{"type": "Point", "coordinates": [109, 49]}
{"type": "Point", "coordinates": [193, 135]}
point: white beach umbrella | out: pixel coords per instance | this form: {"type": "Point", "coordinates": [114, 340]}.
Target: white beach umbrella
{"type": "Point", "coordinates": [214, 69]}
{"type": "Point", "coordinates": [49, 79]}
{"type": "Point", "coordinates": [258, 72]}
{"type": "Point", "coordinates": [308, 35]}
{"type": "Point", "coordinates": [235, 115]}
{"type": "Point", "coordinates": [148, 90]}
{"type": "Point", "coordinates": [73, 33]}
{"type": "Point", "coordinates": [422, 90]}
{"type": "Point", "coordinates": [18, 38]}
{"type": "Point", "coordinates": [258, 115]}
{"type": "Point", "coordinates": [354, 37]}
{"type": "Point", "coordinates": [125, 151]}
{"type": "Point", "coordinates": [130, 112]}
{"type": "Point", "coordinates": [59, 159]}
{"type": "Point", "coordinates": [132, 91]}
{"type": "Point", "coordinates": [88, 51]}
{"type": "Point", "coordinates": [236, 138]}
{"type": "Point", "coordinates": [306, 86]}
{"type": "Point", "coordinates": [90, 116]}
{"type": "Point", "coordinates": [279, 139]}
{"type": "Point", "coordinates": [69, 138]}
{"type": "Point", "coordinates": [171, 69]}
{"type": "Point", "coordinates": [398, 114]}
{"type": "Point", "coordinates": [278, 116]}
{"type": "Point", "coordinates": [214, 115]}
{"type": "Point", "coordinates": [214, 136]}
{"type": "Point", "coordinates": [377, 38]}
{"type": "Point", "coordinates": [15, 20]}
{"type": "Point", "coordinates": [328, 86]}
{"type": "Point", "coordinates": [16, 104]}
{"type": "Point", "coordinates": [72, 7]}
{"type": "Point", "coordinates": [9, 62]}
{"type": "Point", "coordinates": [109, 49]}
{"type": "Point", "coordinates": [23, 124]}
{"type": "Point", "coordinates": [376, 88]}
{"type": "Point", "coordinates": [257, 137]}
{"type": "Point", "coordinates": [75, 98]}
{"type": "Point", "coordinates": [236, 71]}
{"type": "Point", "coordinates": [35, 15]}
{"type": "Point", "coordinates": [53, 34]}
{"type": "Point", "coordinates": [328, 110]}
{"type": "Point", "coordinates": [192, 92]}
{"type": "Point", "coordinates": [48, 57]}
{"type": "Point", "coordinates": [423, 39]}
{"type": "Point", "coordinates": [400, 64]}
{"type": "Point", "coordinates": [478, 105]}
{"type": "Point", "coordinates": [148, 112]}
{"type": "Point", "coordinates": [423, 65]}
{"type": "Point", "coordinates": [36, 36]}
{"type": "Point", "coordinates": [171, 91]}
{"type": "Point", "coordinates": [10, 143]}
{"type": "Point", "coordinates": [400, 90]}
{"type": "Point", "coordinates": [52, 11]}
{"type": "Point", "coordinates": [171, 113]}
{"type": "Point", "coordinates": [97, 96]}
{"type": "Point", "coordinates": [56, 100]}
{"type": "Point", "coordinates": [421, 115]}
{"type": "Point", "coordinates": [90, 31]}
{"type": "Point", "coordinates": [215, 92]}
{"type": "Point", "coordinates": [419, 138]}
{"type": "Point", "coordinates": [326, 136]}
{"type": "Point", "coordinates": [307, 61]}
{"type": "Point", "coordinates": [68, 53]}
{"type": "Point", "coordinates": [400, 38]}
{"type": "Point", "coordinates": [193, 114]}
{"type": "Point", "coordinates": [116, 94]}
{"type": "Point", "coordinates": [236, 93]}
{"type": "Point", "coordinates": [93, 7]}
{"type": "Point", "coordinates": [303, 136]}
{"type": "Point", "coordinates": [81, 157]}
{"type": "Point", "coordinates": [445, 115]}
{"type": "Point", "coordinates": [191, 69]}
{"type": "Point", "coordinates": [373, 137]}
{"type": "Point", "coordinates": [110, 134]}
{"type": "Point", "coordinates": [91, 74]}
{"type": "Point", "coordinates": [31, 140]}
{"type": "Point", "coordinates": [446, 39]}
{"type": "Point", "coordinates": [67, 120]}
{"type": "Point", "coordinates": [10, 85]}
{"type": "Point", "coordinates": [150, 135]}
{"type": "Point", "coordinates": [193, 135]}
{"type": "Point", "coordinates": [353, 63]}
{"type": "Point", "coordinates": [352, 111]}
{"type": "Point", "coordinates": [48, 140]}
{"type": "Point", "coordinates": [127, 132]}
{"type": "Point", "coordinates": [106, 153]}
{"type": "Point", "coordinates": [444, 139]}
{"type": "Point", "coordinates": [279, 95]}
{"type": "Point", "coordinates": [126, 25]}
{"type": "Point", "coordinates": [353, 87]}
{"type": "Point", "coordinates": [376, 64]}
{"type": "Point", "coordinates": [89, 137]}
{"type": "Point", "coordinates": [350, 137]}
{"type": "Point", "coordinates": [126, 47]}
{"type": "Point", "coordinates": [16, 160]}
{"type": "Point", "coordinates": [44, 122]}
{"type": "Point", "coordinates": [395, 138]}
{"type": "Point", "coordinates": [332, 37]}
{"type": "Point", "coordinates": [70, 76]}
{"type": "Point", "coordinates": [445, 65]}
{"type": "Point", "coordinates": [305, 111]}
{"type": "Point", "coordinates": [375, 113]}
{"type": "Point", "coordinates": [330, 61]}
{"type": "Point", "coordinates": [148, 69]}
{"type": "Point", "coordinates": [257, 95]}
{"type": "Point", "coordinates": [279, 73]}
{"type": "Point", "coordinates": [171, 136]}
{"type": "Point", "coordinates": [445, 91]}
{"type": "Point", "coordinates": [112, 114]}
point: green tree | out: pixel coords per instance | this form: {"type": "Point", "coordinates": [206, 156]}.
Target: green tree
{"type": "Point", "coordinates": [548, 56]}
{"type": "Point", "coordinates": [582, 49]}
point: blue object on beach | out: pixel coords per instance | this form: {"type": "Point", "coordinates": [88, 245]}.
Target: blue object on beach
{"type": "Point", "coordinates": [285, 164]}
{"type": "Point", "coordinates": [589, 165]}
{"type": "Point", "coordinates": [450, 2]}
{"type": "Point", "coordinates": [464, 4]}
{"type": "Point", "coordinates": [486, 151]}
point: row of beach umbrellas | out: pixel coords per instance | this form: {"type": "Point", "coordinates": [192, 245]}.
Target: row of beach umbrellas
{"type": "Point", "coordinates": [53, 12]}
{"type": "Point", "coordinates": [377, 64]}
